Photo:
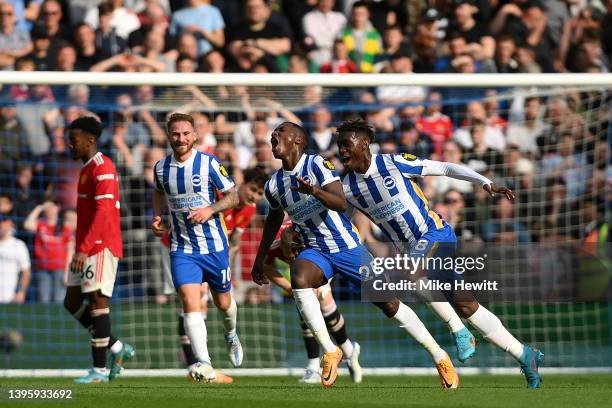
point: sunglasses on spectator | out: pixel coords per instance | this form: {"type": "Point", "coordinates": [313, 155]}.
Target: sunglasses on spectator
{"type": "Point", "coordinates": [50, 13]}
{"type": "Point", "coordinates": [452, 200]}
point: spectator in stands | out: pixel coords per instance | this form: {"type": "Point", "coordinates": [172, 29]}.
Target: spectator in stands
{"type": "Point", "coordinates": [41, 54]}
{"type": "Point", "coordinates": [203, 21]}
{"type": "Point", "coordinates": [480, 43]}
{"type": "Point", "coordinates": [51, 15]}
{"type": "Point", "coordinates": [562, 120]}
{"type": "Point", "coordinates": [525, 22]}
{"type": "Point", "coordinates": [412, 141]}
{"type": "Point", "coordinates": [66, 58]}
{"type": "Point", "coordinates": [26, 195]}
{"type": "Point", "coordinates": [85, 42]}
{"type": "Point", "coordinates": [126, 139]}
{"type": "Point", "coordinates": [505, 63]}
{"type": "Point", "coordinates": [51, 250]}
{"type": "Point", "coordinates": [144, 97]}
{"type": "Point", "coordinates": [322, 138]}
{"type": "Point", "coordinates": [480, 154]}
{"type": "Point", "coordinates": [451, 152]}
{"type": "Point", "coordinates": [437, 125]}
{"type": "Point", "coordinates": [458, 217]}
{"type": "Point", "coordinates": [122, 20]}
{"type": "Point", "coordinates": [31, 116]}
{"type": "Point", "coordinates": [494, 138]}
{"type": "Point", "coordinates": [152, 18]}
{"type": "Point", "coordinates": [400, 64]}
{"type": "Point", "coordinates": [492, 109]}
{"type": "Point", "coordinates": [109, 42]}
{"type": "Point", "coordinates": [153, 51]}
{"type": "Point", "coordinates": [362, 40]}
{"type": "Point", "coordinates": [340, 63]}
{"type": "Point", "coordinates": [14, 42]}
{"type": "Point", "coordinates": [524, 134]}
{"type": "Point", "coordinates": [568, 164]}
{"type": "Point", "coordinates": [15, 270]}
{"type": "Point", "coordinates": [321, 29]}
{"type": "Point", "coordinates": [258, 36]}
{"type": "Point", "coordinates": [206, 141]}
{"type": "Point", "coordinates": [505, 219]}
{"type": "Point", "coordinates": [15, 147]}
{"type": "Point", "coordinates": [394, 42]}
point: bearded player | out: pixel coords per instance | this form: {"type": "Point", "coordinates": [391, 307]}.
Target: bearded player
{"type": "Point", "coordinates": [309, 190]}
{"type": "Point", "coordinates": [376, 181]}
{"type": "Point", "coordinates": [186, 182]}
{"type": "Point", "coordinates": [236, 220]}
{"type": "Point", "coordinates": [98, 248]}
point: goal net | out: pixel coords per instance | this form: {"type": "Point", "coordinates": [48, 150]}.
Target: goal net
{"type": "Point", "coordinates": [550, 144]}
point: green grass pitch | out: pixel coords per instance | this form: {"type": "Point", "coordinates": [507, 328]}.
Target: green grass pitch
{"type": "Point", "coordinates": [254, 392]}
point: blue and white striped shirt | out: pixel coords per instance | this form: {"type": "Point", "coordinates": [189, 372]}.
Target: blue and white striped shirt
{"type": "Point", "coordinates": [192, 184]}
{"type": "Point", "coordinates": [387, 194]}
{"type": "Point", "coordinates": [321, 228]}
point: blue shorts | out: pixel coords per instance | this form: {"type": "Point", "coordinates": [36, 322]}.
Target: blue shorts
{"type": "Point", "coordinates": [347, 263]}
{"type": "Point", "coordinates": [197, 268]}
{"type": "Point", "coordinates": [440, 244]}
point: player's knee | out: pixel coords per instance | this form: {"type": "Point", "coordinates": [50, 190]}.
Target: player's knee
{"type": "Point", "coordinates": [389, 308]}
{"type": "Point", "coordinates": [466, 309]}
{"type": "Point", "coordinates": [70, 305]}
{"type": "Point", "coordinates": [299, 281]}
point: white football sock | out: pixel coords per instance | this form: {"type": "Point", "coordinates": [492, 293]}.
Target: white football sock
{"type": "Point", "coordinates": [347, 348]}
{"type": "Point", "coordinates": [116, 347]}
{"type": "Point", "coordinates": [196, 331]}
{"type": "Point", "coordinates": [229, 319]}
{"type": "Point", "coordinates": [310, 309]}
{"type": "Point", "coordinates": [410, 322]}
{"type": "Point", "coordinates": [313, 364]}
{"type": "Point", "coordinates": [494, 331]}
{"type": "Point", "coordinates": [445, 311]}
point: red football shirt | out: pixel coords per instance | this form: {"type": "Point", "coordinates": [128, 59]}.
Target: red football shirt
{"type": "Point", "coordinates": [238, 218]}
{"type": "Point", "coordinates": [51, 247]}
{"type": "Point", "coordinates": [98, 224]}
{"type": "Point", "coordinates": [439, 128]}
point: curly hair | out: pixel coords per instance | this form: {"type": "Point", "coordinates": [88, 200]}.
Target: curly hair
{"type": "Point", "coordinates": [357, 126]}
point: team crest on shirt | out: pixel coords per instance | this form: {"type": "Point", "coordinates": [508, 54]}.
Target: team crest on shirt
{"type": "Point", "coordinates": [389, 182]}
{"type": "Point", "coordinates": [328, 164]}
{"type": "Point", "coordinates": [196, 180]}
{"type": "Point", "coordinates": [409, 157]}
{"type": "Point", "coordinates": [223, 170]}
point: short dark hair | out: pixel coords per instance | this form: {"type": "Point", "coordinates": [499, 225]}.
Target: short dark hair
{"type": "Point", "coordinates": [256, 175]}
{"type": "Point", "coordinates": [105, 8]}
{"type": "Point", "coordinates": [179, 117]}
{"type": "Point", "coordinates": [357, 126]}
{"type": "Point", "coordinates": [360, 3]}
{"type": "Point", "coordinates": [297, 127]}
{"type": "Point", "coordinates": [87, 124]}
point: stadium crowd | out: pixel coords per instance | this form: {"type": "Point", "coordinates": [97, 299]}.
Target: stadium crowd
{"type": "Point", "coordinates": [553, 150]}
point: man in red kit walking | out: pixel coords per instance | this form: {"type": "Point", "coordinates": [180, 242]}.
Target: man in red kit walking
{"type": "Point", "coordinates": [98, 249]}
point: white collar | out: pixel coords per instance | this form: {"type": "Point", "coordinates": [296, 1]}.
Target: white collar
{"type": "Point", "coordinates": [174, 162]}
{"type": "Point", "coordinates": [91, 158]}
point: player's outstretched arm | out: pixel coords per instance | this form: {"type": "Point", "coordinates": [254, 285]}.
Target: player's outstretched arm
{"type": "Point", "coordinates": [331, 195]}
{"type": "Point", "coordinates": [461, 172]}
{"type": "Point", "coordinates": [273, 222]}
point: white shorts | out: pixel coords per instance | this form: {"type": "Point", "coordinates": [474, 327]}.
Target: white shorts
{"type": "Point", "coordinates": [99, 273]}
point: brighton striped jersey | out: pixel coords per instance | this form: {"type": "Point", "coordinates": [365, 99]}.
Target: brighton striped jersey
{"type": "Point", "coordinates": [321, 228]}
{"type": "Point", "coordinates": [387, 194]}
{"type": "Point", "coordinates": [192, 184]}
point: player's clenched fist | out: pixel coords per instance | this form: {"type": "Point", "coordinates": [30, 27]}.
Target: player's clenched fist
{"type": "Point", "coordinates": [258, 275]}
{"type": "Point", "coordinates": [158, 226]}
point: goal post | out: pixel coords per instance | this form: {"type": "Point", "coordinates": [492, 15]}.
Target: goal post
{"type": "Point", "coordinates": [548, 136]}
